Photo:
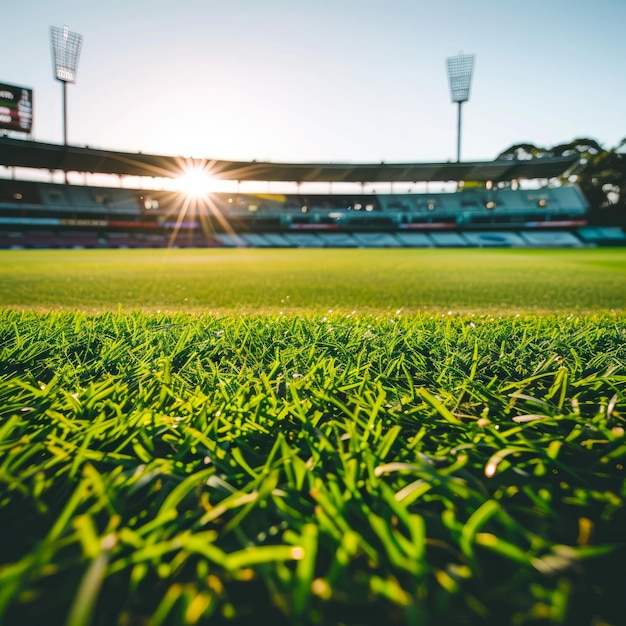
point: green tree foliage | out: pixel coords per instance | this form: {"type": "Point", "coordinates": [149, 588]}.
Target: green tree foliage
{"type": "Point", "coordinates": [600, 172]}
{"type": "Point", "coordinates": [522, 152]}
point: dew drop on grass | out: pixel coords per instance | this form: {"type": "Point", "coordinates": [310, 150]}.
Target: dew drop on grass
{"type": "Point", "coordinates": [321, 588]}
{"type": "Point", "coordinates": [490, 469]}
{"type": "Point", "coordinates": [297, 553]}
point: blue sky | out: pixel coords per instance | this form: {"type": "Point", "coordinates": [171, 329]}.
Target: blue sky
{"type": "Point", "coordinates": [323, 80]}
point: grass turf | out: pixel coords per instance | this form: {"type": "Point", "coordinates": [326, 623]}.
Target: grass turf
{"type": "Point", "coordinates": [304, 281]}
{"type": "Point", "coordinates": [312, 467]}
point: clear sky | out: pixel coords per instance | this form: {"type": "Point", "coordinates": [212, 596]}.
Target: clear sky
{"type": "Point", "coordinates": [323, 80]}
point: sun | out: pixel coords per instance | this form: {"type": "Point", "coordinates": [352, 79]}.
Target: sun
{"type": "Point", "coordinates": [195, 183]}
{"type": "Point", "coordinates": [197, 210]}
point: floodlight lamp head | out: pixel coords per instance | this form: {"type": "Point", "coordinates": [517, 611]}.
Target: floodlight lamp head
{"type": "Point", "coordinates": [460, 70]}
{"type": "Point", "coordinates": [65, 52]}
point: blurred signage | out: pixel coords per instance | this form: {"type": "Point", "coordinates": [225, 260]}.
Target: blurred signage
{"type": "Point", "coordinates": [16, 108]}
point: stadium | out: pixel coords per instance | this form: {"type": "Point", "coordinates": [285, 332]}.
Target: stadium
{"type": "Point", "coordinates": [508, 202]}
{"type": "Point", "coordinates": [503, 203]}
{"type": "Point", "coordinates": [201, 423]}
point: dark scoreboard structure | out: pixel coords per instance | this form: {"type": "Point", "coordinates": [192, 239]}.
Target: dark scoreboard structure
{"type": "Point", "coordinates": [16, 108]}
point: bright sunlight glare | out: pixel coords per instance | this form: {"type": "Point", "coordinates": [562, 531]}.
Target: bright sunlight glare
{"type": "Point", "coordinates": [195, 183]}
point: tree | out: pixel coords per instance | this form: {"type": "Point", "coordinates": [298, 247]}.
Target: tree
{"type": "Point", "coordinates": [600, 173]}
{"type": "Point", "coordinates": [522, 152]}
{"type": "Point", "coordinates": [586, 148]}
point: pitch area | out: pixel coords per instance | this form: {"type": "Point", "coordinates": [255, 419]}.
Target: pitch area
{"type": "Point", "coordinates": [252, 281]}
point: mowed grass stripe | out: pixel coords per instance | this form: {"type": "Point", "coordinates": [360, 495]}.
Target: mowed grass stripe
{"type": "Point", "coordinates": [304, 281]}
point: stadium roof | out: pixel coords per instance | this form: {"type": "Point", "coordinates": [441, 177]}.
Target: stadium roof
{"type": "Point", "coordinates": [32, 154]}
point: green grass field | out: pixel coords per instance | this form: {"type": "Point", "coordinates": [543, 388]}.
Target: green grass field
{"type": "Point", "coordinates": [306, 281]}
{"type": "Point", "coordinates": [194, 438]}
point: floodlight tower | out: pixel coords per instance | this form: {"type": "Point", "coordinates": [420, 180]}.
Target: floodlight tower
{"type": "Point", "coordinates": [65, 52]}
{"type": "Point", "coordinates": [460, 70]}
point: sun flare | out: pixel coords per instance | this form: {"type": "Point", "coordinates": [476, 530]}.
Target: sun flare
{"type": "Point", "coordinates": [195, 183]}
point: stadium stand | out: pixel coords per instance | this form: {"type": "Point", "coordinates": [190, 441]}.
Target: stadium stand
{"type": "Point", "coordinates": [449, 240]}
{"type": "Point", "coordinates": [607, 235]}
{"type": "Point", "coordinates": [122, 240]}
{"type": "Point", "coordinates": [338, 240]}
{"type": "Point", "coordinates": [276, 240]}
{"type": "Point", "coordinates": [229, 240]}
{"type": "Point", "coordinates": [255, 240]}
{"type": "Point", "coordinates": [486, 206]}
{"type": "Point", "coordinates": [414, 240]}
{"type": "Point", "coordinates": [84, 239]}
{"type": "Point", "coordinates": [494, 239]}
{"type": "Point", "coordinates": [377, 240]}
{"type": "Point", "coordinates": [555, 239]}
{"type": "Point", "coordinates": [303, 240]}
